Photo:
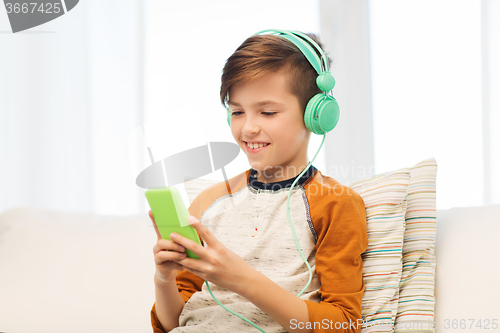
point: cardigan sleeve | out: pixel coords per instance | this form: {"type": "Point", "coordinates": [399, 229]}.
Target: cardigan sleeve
{"type": "Point", "coordinates": [340, 224]}
{"type": "Point", "coordinates": [187, 284]}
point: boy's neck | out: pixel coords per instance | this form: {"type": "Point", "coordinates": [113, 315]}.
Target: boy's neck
{"type": "Point", "coordinates": [277, 174]}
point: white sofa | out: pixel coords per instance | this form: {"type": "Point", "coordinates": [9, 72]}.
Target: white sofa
{"type": "Point", "coordinates": [66, 272]}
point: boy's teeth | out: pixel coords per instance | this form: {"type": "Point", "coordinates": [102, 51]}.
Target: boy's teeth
{"type": "Point", "coordinates": [256, 145]}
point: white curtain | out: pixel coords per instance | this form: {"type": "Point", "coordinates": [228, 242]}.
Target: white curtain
{"type": "Point", "coordinates": [71, 94]}
{"type": "Point", "coordinates": [490, 14]}
{"type": "Point", "coordinates": [418, 79]}
{"type": "Point", "coordinates": [77, 93]}
{"type": "Point", "coordinates": [349, 147]}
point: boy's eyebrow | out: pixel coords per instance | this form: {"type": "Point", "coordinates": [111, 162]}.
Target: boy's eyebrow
{"type": "Point", "coordinates": [258, 104]}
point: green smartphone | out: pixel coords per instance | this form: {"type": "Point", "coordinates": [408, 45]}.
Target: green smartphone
{"type": "Point", "coordinates": [171, 215]}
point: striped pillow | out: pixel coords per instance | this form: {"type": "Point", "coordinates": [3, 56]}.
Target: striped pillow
{"type": "Point", "coordinates": [416, 288]}
{"type": "Point", "coordinates": [385, 203]}
{"type": "Point", "coordinates": [399, 279]}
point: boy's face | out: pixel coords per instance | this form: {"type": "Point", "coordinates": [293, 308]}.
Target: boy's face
{"type": "Point", "coordinates": [265, 111]}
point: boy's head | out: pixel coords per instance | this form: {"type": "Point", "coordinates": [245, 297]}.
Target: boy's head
{"type": "Point", "coordinates": [263, 54]}
{"type": "Point", "coordinates": [267, 83]}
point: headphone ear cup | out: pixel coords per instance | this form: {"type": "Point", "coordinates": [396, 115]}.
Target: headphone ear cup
{"type": "Point", "coordinates": [325, 81]}
{"type": "Point", "coordinates": [327, 111]}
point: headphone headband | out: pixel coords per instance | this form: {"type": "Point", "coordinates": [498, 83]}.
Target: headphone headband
{"type": "Point", "coordinates": [303, 42]}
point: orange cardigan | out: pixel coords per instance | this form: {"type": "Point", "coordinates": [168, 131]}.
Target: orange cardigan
{"type": "Point", "coordinates": [338, 215]}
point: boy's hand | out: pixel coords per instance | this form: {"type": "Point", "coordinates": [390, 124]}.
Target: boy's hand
{"type": "Point", "coordinates": [166, 267]}
{"type": "Point", "coordinates": [217, 263]}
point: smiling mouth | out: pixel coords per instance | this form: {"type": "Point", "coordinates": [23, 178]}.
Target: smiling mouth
{"type": "Point", "coordinates": [256, 145]}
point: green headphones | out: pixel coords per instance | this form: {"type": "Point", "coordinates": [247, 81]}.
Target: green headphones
{"type": "Point", "coordinates": [322, 111]}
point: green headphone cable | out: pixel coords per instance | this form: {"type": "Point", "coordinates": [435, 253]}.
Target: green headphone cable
{"type": "Point", "coordinates": [290, 220]}
{"type": "Point", "coordinates": [248, 321]}
{"type": "Point", "coordinates": [320, 117]}
{"type": "Point", "coordinates": [294, 236]}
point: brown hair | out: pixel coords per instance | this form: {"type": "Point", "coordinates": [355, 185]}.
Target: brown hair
{"type": "Point", "coordinates": [263, 54]}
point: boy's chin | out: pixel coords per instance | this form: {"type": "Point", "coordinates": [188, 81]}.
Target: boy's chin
{"type": "Point", "coordinates": [256, 165]}
{"type": "Point", "coordinates": [260, 167]}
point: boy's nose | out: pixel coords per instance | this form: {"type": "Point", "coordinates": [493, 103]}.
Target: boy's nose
{"type": "Point", "coordinates": [250, 127]}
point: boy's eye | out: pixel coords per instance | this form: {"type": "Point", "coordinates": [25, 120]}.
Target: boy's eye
{"type": "Point", "coordinates": [264, 113]}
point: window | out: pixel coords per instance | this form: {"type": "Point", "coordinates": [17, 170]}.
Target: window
{"type": "Point", "coordinates": [430, 86]}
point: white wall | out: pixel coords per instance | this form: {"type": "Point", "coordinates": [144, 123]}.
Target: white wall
{"type": "Point", "coordinates": [349, 147]}
{"type": "Point", "coordinates": [70, 93]}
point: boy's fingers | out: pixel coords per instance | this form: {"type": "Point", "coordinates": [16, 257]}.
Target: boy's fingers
{"type": "Point", "coordinates": [193, 265]}
{"type": "Point", "coordinates": [188, 244]}
{"type": "Point", "coordinates": [202, 231]}
{"type": "Point", "coordinates": [154, 225]}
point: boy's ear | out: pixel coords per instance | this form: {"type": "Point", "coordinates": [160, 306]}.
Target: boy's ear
{"type": "Point", "coordinates": [322, 114]}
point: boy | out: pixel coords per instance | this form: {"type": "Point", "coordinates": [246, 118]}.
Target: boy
{"type": "Point", "coordinates": [249, 257]}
